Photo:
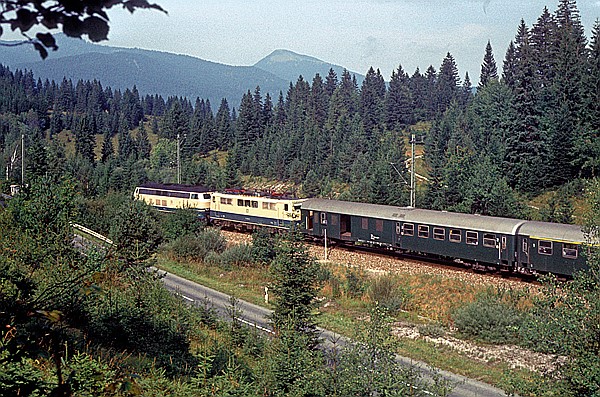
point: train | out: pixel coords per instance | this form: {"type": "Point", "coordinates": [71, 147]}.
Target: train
{"type": "Point", "coordinates": [477, 241]}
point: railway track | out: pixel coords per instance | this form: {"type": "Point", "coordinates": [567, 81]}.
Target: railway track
{"type": "Point", "coordinates": [377, 262]}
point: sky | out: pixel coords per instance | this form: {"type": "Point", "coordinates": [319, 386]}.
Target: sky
{"type": "Point", "coordinates": [355, 34]}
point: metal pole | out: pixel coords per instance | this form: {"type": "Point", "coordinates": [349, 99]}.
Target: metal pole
{"type": "Point", "coordinates": [23, 159]}
{"type": "Point", "coordinates": [412, 171]}
{"type": "Point", "coordinates": [178, 161]}
{"type": "Point", "coordinates": [325, 244]}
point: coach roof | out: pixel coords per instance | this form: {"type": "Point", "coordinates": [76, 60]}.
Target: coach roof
{"type": "Point", "coordinates": [414, 215]}
{"type": "Point", "coordinates": [553, 231]}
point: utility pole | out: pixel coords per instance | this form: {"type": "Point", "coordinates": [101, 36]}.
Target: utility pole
{"type": "Point", "coordinates": [178, 159]}
{"type": "Point", "coordinates": [22, 159]}
{"type": "Point", "coordinates": [412, 170]}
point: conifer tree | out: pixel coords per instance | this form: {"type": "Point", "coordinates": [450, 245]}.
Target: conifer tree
{"type": "Point", "coordinates": [371, 102]}
{"type": "Point", "coordinates": [489, 70]}
{"type": "Point", "coordinates": [142, 143]}
{"type": "Point", "coordinates": [509, 66]}
{"type": "Point", "coordinates": [399, 102]}
{"type": "Point", "coordinates": [223, 126]}
{"type": "Point", "coordinates": [107, 149]}
{"type": "Point", "coordinates": [84, 138]}
{"type": "Point", "coordinates": [447, 86]}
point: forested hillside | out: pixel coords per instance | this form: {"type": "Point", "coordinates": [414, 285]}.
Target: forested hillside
{"type": "Point", "coordinates": [531, 129]}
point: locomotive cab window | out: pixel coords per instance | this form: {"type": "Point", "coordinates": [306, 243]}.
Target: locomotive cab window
{"type": "Point", "coordinates": [472, 238]}
{"type": "Point", "coordinates": [455, 236]}
{"type": "Point", "coordinates": [423, 231]}
{"type": "Point", "coordinates": [545, 247]}
{"type": "Point", "coordinates": [194, 196]}
{"type": "Point", "coordinates": [489, 240]}
{"type": "Point", "coordinates": [439, 233]}
{"type": "Point", "coordinates": [206, 196]}
{"type": "Point", "coordinates": [569, 251]}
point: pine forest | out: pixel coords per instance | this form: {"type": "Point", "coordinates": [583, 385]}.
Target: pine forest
{"type": "Point", "coordinates": [522, 142]}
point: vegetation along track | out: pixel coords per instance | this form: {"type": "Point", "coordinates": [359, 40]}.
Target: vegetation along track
{"type": "Point", "coordinates": [373, 262]}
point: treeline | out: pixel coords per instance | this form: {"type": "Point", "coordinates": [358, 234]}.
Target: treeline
{"type": "Point", "coordinates": [532, 128]}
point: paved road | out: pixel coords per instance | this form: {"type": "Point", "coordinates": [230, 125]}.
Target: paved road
{"type": "Point", "coordinates": [258, 316]}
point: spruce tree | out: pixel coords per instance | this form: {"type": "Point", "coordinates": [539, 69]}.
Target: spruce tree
{"type": "Point", "coordinates": [489, 70]}
{"type": "Point", "coordinates": [399, 102]}
{"type": "Point", "coordinates": [371, 102]}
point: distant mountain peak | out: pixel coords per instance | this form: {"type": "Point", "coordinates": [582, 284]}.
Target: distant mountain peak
{"type": "Point", "coordinates": [289, 65]}
{"type": "Point", "coordinates": [281, 55]}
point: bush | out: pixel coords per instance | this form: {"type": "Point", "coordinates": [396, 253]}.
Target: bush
{"type": "Point", "coordinates": [237, 255]}
{"type": "Point", "coordinates": [197, 248]}
{"type": "Point", "coordinates": [181, 222]}
{"type": "Point", "coordinates": [490, 319]}
{"type": "Point", "coordinates": [188, 248]}
{"type": "Point", "coordinates": [212, 240]}
{"type": "Point", "coordinates": [263, 246]}
{"type": "Point", "coordinates": [355, 284]}
{"type": "Point", "coordinates": [386, 291]}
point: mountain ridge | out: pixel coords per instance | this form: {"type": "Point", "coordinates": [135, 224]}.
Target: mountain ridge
{"type": "Point", "coordinates": [165, 73]}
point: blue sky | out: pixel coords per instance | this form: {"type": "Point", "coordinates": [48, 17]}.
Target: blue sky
{"type": "Point", "coordinates": [356, 34]}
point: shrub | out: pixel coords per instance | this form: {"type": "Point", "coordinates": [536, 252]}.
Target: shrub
{"type": "Point", "coordinates": [386, 291]}
{"type": "Point", "coordinates": [212, 240]}
{"type": "Point", "coordinates": [187, 248]}
{"type": "Point", "coordinates": [355, 284]}
{"type": "Point", "coordinates": [237, 255]}
{"type": "Point", "coordinates": [263, 247]}
{"type": "Point", "coordinates": [180, 222]}
{"type": "Point", "coordinates": [197, 248]}
{"type": "Point", "coordinates": [490, 319]}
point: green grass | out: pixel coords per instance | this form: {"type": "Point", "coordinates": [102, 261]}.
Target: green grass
{"type": "Point", "coordinates": [341, 316]}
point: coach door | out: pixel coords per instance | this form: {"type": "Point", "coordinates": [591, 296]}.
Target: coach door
{"type": "Point", "coordinates": [398, 235]}
{"type": "Point", "coordinates": [525, 251]}
{"type": "Point", "coordinates": [503, 253]}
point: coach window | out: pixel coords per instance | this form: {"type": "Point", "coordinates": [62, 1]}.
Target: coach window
{"type": "Point", "coordinates": [365, 223]}
{"type": "Point", "coordinates": [545, 247]}
{"type": "Point", "coordinates": [569, 251]}
{"type": "Point", "coordinates": [472, 238]}
{"type": "Point", "coordinates": [379, 225]}
{"type": "Point", "coordinates": [194, 196]}
{"type": "Point", "coordinates": [423, 231]}
{"type": "Point", "coordinates": [454, 236]}
{"type": "Point", "coordinates": [240, 203]}
{"type": "Point", "coordinates": [489, 240]}
{"type": "Point", "coordinates": [254, 204]}
{"type": "Point", "coordinates": [439, 233]}
{"type": "Point", "coordinates": [323, 218]}
{"type": "Point", "coordinates": [408, 229]}
{"type": "Point", "coordinates": [265, 205]}
{"type": "Point", "coordinates": [334, 219]}
{"type": "Point", "coordinates": [273, 206]}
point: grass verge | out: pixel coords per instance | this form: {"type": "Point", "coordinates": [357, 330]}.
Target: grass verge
{"type": "Point", "coordinates": [340, 315]}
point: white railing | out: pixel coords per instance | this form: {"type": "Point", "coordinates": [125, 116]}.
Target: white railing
{"type": "Point", "coordinates": [92, 233]}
